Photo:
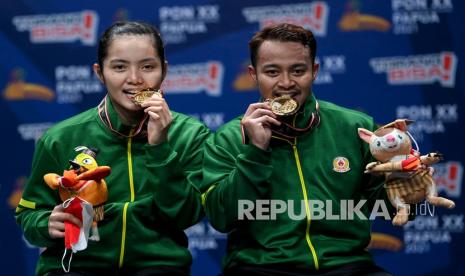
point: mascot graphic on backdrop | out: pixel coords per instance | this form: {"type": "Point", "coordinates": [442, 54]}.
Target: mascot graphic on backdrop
{"type": "Point", "coordinates": [83, 191]}
{"type": "Point", "coordinates": [408, 175]}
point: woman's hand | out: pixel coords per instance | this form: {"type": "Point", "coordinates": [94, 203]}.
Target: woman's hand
{"type": "Point", "coordinates": [56, 222]}
{"type": "Point", "coordinates": [159, 119]}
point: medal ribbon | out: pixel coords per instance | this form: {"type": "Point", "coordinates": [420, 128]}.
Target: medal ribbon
{"type": "Point", "coordinates": [103, 115]}
{"type": "Point", "coordinates": [288, 131]}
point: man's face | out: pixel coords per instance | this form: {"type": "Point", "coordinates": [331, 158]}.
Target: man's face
{"type": "Point", "coordinates": [284, 68]}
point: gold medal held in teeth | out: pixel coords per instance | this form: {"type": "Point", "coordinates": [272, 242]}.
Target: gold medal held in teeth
{"type": "Point", "coordinates": [144, 94]}
{"type": "Point", "coordinates": [284, 106]}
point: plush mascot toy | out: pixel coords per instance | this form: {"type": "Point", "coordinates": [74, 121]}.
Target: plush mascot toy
{"type": "Point", "coordinates": [408, 175]}
{"type": "Point", "coordinates": [83, 191]}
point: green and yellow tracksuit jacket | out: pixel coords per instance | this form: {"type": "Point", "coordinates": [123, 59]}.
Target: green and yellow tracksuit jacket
{"type": "Point", "coordinates": [152, 193]}
{"type": "Point", "coordinates": [326, 164]}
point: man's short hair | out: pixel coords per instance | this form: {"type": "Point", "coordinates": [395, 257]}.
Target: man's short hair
{"type": "Point", "coordinates": [283, 33]}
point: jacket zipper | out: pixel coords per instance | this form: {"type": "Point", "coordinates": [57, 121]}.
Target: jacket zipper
{"type": "Point", "coordinates": [126, 205]}
{"type": "Point", "coordinates": [307, 207]}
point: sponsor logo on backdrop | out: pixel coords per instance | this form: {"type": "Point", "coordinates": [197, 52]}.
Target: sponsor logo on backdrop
{"type": "Point", "coordinates": [33, 131]}
{"type": "Point", "coordinates": [195, 78]}
{"type": "Point", "coordinates": [73, 81]}
{"type": "Point", "coordinates": [312, 16]}
{"type": "Point", "coordinates": [17, 89]}
{"type": "Point", "coordinates": [448, 177]}
{"type": "Point", "coordinates": [385, 242]}
{"type": "Point", "coordinates": [60, 27]}
{"type": "Point", "coordinates": [244, 81]}
{"type": "Point", "coordinates": [329, 65]}
{"type": "Point", "coordinates": [354, 20]}
{"type": "Point", "coordinates": [203, 236]}
{"type": "Point", "coordinates": [176, 22]}
{"type": "Point", "coordinates": [212, 120]}
{"type": "Point", "coordinates": [429, 119]}
{"type": "Point", "coordinates": [17, 192]}
{"type": "Point", "coordinates": [421, 234]}
{"type": "Point", "coordinates": [418, 69]}
{"type": "Point", "coordinates": [407, 16]}
{"type": "Point", "coordinates": [122, 15]}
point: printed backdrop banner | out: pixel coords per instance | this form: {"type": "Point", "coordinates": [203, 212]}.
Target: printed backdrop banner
{"type": "Point", "coordinates": [388, 58]}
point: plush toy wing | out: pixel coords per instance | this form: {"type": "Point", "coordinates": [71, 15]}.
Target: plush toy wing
{"type": "Point", "coordinates": [52, 180]}
{"type": "Point", "coordinates": [95, 174]}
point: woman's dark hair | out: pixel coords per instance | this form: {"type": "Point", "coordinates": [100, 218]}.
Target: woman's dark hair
{"type": "Point", "coordinates": [283, 33]}
{"type": "Point", "coordinates": [130, 28]}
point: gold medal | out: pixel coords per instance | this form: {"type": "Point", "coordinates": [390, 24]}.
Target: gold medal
{"type": "Point", "coordinates": [144, 94]}
{"type": "Point", "coordinates": [284, 106]}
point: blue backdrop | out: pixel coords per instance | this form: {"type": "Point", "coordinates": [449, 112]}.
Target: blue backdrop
{"type": "Point", "coordinates": [388, 58]}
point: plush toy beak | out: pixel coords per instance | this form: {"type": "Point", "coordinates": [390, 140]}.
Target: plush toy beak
{"type": "Point", "coordinates": [74, 165]}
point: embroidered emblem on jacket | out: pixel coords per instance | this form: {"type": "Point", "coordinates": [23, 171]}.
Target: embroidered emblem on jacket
{"type": "Point", "coordinates": [341, 164]}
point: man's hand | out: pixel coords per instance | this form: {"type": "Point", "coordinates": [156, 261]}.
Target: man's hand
{"type": "Point", "coordinates": [370, 167]}
{"type": "Point", "coordinates": [257, 121]}
{"type": "Point", "coordinates": [56, 222]}
{"type": "Point", "coordinates": [159, 119]}
{"type": "Point", "coordinates": [431, 158]}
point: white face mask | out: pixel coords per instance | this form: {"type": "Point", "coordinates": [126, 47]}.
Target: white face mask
{"type": "Point", "coordinates": [76, 237]}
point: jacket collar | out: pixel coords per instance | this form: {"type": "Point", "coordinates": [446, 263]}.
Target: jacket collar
{"type": "Point", "coordinates": [303, 122]}
{"type": "Point", "coordinates": [110, 118]}
{"type": "Point", "coordinates": [303, 115]}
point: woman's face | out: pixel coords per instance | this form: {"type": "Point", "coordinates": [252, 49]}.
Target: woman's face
{"type": "Point", "coordinates": [132, 64]}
